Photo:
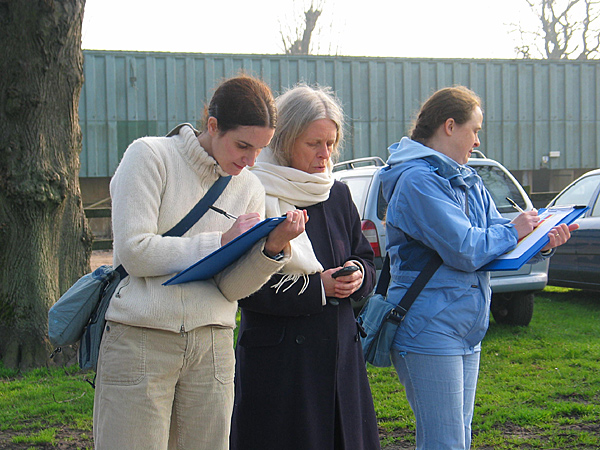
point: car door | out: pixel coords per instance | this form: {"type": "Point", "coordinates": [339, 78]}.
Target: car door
{"type": "Point", "coordinates": [570, 259]}
{"type": "Point", "coordinates": [563, 264]}
{"type": "Point", "coordinates": [588, 245]}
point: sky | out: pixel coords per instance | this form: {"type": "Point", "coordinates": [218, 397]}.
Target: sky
{"type": "Point", "coordinates": [386, 28]}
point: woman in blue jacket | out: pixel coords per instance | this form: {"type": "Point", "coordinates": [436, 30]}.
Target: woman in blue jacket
{"type": "Point", "coordinates": [438, 204]}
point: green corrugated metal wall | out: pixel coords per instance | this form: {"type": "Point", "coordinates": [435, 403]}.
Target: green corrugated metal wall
{"type": "Point", "coordinates": [531, 107]}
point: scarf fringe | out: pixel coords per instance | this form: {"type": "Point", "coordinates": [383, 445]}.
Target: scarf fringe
{"type": "Point", "coordinates": [291, 279]}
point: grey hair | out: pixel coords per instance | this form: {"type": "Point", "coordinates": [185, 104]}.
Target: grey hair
{"type": "Point", "coordinates": [297, 108]}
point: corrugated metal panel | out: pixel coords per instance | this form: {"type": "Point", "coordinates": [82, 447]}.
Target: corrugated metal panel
{"type": "Point", "coordinates": [531, 107]}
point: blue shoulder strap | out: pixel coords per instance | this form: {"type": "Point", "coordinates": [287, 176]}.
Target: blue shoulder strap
{"type": "Point", "coordinates": [201, 207]}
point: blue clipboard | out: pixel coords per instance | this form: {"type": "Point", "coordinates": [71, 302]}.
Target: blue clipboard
{"type": "Point", "coordinates": [218, 260]}
{"type": "Point", "coordinates": [508, 262]}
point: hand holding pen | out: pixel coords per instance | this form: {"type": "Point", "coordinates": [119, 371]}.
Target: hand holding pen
{"type": "Point", "coordinates": [279, 237]}
{"type": "Point", "coordinates": [526, 221]}
{"type": "Point", "coordinates": [242, 224]}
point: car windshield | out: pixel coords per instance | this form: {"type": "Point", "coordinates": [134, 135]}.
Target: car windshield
{"type": "Point", "coordinates": [500, 186]}
{"type": "Point", "coordinates": [579, 193]}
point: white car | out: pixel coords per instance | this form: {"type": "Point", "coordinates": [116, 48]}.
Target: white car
{"type": "Point", "coordinates": [512, 291]}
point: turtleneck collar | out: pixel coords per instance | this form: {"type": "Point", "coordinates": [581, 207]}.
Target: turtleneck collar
{"type": "Point", "coordinates": [196, 155]}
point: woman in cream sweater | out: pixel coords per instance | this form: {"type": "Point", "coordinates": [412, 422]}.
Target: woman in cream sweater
{"type": "Point", "coordinates": [165, 372]}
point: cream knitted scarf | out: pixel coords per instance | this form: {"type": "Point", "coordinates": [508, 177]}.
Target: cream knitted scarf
{"type": "Point", "coordinates": [287, 189]}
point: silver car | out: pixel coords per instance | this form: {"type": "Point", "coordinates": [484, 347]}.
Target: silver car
{"type": "Point", "coordinates": [512, 291]}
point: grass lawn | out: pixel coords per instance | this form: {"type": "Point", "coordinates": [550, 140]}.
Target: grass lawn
{"type": "Point", "coordinates": [539, 388]}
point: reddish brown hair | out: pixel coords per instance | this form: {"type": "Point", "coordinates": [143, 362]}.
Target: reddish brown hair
{"type": "Point", "coordinates": [242, 101]}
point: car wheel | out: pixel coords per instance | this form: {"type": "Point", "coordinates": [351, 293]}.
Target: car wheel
{"type": "Point", "coordinates": [513, 308]}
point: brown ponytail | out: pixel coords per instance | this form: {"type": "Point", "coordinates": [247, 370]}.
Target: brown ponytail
{"type": "Point", "coordinates": [456, 102]}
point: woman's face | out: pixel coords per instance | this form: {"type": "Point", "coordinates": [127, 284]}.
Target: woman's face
{"type": "Point", "coordinates": [312, 149]}
{"type": "Point", "coordinates": [464, 137]}
{"type": "Point", "coordinates": [239, 147]}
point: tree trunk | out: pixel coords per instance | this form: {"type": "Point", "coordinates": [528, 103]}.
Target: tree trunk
{"type": "Point", "coordinates": [45, 242]}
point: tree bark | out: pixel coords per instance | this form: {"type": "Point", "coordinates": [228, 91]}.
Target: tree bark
{"type": "Point", "coordinates": [45, 242]}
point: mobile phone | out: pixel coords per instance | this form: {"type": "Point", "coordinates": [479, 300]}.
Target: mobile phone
{"type": "Point", "coordinates": [344, 271]}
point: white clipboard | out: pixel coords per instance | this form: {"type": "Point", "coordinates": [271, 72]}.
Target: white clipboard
{"type": "Point", "coordinates": [531, 244]}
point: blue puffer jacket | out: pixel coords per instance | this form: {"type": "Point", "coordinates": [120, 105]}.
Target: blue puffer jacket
{"type": "Point", "coordinates": [426, 192]}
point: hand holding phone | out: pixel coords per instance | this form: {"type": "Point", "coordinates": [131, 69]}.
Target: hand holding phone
{"type": "Point", "coordinates": [344, 271]}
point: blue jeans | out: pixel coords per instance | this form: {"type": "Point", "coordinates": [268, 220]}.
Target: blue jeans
{"type": "Point", "coordinates": [441, 393]}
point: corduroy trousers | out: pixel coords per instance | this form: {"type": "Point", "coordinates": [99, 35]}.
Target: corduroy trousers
{"type": "Point", "coordinates": [158, 390]}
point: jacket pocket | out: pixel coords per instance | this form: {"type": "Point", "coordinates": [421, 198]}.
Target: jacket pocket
{"type": "Point", "coordinates": [223, 354]}
{"type": "Point", "coordinates": [123, 359]}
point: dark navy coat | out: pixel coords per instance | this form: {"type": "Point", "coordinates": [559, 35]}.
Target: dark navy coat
{"type": "Point", "coordinates": [301, 381]}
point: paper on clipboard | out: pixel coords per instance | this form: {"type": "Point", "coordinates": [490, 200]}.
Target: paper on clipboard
{"type": "Point", "coordinates": [531, 244]}
{"type": "Point", "coordinates": [218, 260]}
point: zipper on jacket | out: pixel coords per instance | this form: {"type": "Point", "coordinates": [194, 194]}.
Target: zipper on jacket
{"type": "Point", "coordinates": [182, 328]}
{"type": "Point", "coordinates": [120, 288]}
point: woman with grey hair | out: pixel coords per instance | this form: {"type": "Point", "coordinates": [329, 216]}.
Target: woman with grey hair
{"type": "Point", "coordinates": [301, 381]}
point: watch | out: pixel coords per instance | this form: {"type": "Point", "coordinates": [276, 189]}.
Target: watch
{"type": "Point", "coordinates": [277, 257]}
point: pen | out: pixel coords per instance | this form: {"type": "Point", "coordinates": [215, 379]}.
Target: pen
{"type": "Point", "coordinates": [220, 211]}
{"type": "Point", "coordinates": [514, 204]}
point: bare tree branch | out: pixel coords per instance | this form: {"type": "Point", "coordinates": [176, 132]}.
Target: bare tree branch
{"type": "Point", "coordinates": [588, 34]}
{"type": "Point", "coordinates": [566, 28]}
{"type": "Point", "coordinates": [299, 41]}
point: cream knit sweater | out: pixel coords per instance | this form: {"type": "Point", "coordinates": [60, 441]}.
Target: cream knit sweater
{"type": "Point", "coordinates": [156, 184]}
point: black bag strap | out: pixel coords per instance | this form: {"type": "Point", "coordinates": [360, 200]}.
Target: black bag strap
{"type": "Point", "coordinates": [384, 277]}
{"type": "Point", "coordinates": [398, 313]}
